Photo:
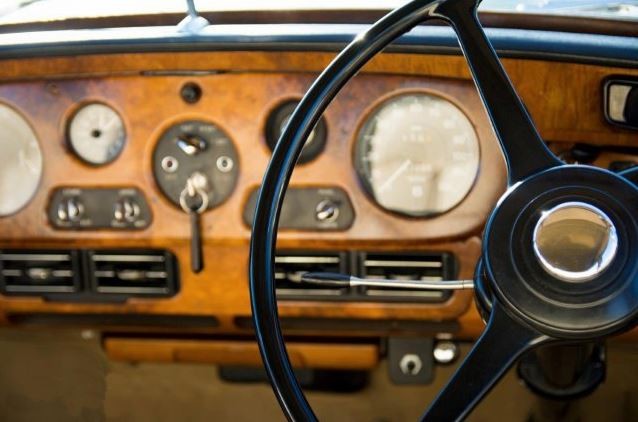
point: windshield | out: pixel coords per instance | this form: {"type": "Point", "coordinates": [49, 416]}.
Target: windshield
{"type": "Point", "coordinates": [24, 11]}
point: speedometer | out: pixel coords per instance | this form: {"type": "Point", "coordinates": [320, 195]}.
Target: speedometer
{"type": "Point", "coordinates": [417, 154]}
{"type": "Point", "coordinates": [20, 161]}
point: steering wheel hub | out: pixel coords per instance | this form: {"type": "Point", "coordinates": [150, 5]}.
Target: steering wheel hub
{"type": "Point", "coordinates": [557, 251]}
{"type": "Point", "coordinates": [575, 241]}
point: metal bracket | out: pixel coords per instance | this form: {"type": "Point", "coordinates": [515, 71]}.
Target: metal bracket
{"type": "Point", "coordinates": [193, 23]}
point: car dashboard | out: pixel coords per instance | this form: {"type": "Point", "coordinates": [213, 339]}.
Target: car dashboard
{"type": "Point", "coordinates": [119, 132]}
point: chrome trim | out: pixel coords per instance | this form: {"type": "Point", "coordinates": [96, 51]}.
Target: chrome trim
{"type": "Point", "coordinates": [62, 273]}
{"type": "Point", "coordinates": [34, 257]}
{"type": "Point", "coordinates": [128, 258]}
{"type": "Point", "coordinates": [402, 264]}
{"type": "Point", "coordinates": [412, 284]}
{"type": "Point", "coordinates": [291, 259]}
{"type": "Point", "coordinates": [156, 274]}
{"type": "Point", "coordinates": [405, 293]}
{"type": "Point", "coordinates": [604, 257]}
{"type": "Point", "coordinates": [310, 292]}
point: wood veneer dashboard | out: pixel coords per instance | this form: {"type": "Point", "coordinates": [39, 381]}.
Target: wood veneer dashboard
{"type": "Point", "coordinates": [564, 99]}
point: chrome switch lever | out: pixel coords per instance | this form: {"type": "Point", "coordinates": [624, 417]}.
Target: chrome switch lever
{"type": "Point", "coordinates": [194, 200]}
{"type": "Point", "coordinates": [191, 144]}
{"type": "Point", "coordinates": [343, 280]}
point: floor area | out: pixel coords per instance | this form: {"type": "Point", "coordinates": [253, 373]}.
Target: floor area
{"type": "Point", "coordinates": [64, 376]}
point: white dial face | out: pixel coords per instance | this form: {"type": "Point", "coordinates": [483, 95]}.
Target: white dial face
{"type": "Point", "coordinates": [417, 154]}
{"type": "Point", "coordinates": [20, 162]}
{"type": "Point", "coordinates": [97, 134]}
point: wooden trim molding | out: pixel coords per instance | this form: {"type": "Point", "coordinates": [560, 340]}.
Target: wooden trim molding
{"type": "Point", "coordinates": [351, 356]}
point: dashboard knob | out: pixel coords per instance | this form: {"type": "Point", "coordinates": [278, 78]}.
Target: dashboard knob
{"type": "Point", "coordinates": [70, 209]}
{"type": "Point", "coordinates": [327, 211]}
{"type": "Point", "coordinates": [126, 210]}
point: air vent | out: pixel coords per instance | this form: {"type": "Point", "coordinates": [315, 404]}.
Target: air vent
{"type": "Point", "coordinates": [133, 273]}
{"type": "Point", "coordinates": [290, 266]}
{"type": "Point", "coordinates": [39, 272]}
{"type": "Point", "coordinates": [410, 266]}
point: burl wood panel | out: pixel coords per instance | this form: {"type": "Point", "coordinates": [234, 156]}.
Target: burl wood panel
{"type": "Point", "coordinates": [239, 103]}
{"type": "Point", "coordinates": [563, 98]}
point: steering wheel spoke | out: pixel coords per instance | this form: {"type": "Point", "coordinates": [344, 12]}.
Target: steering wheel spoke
{"type": "Point", "coordinates": [502, 342]}
{"type": "Point", "coordinates": [523, 148]}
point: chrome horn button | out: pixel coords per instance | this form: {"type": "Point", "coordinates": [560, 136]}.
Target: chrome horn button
{"type": "Point", "coordinates": [575, 241]}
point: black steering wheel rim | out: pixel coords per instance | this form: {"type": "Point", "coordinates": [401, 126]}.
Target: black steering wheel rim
{"type": "Point", "coordinates": [528, 160]}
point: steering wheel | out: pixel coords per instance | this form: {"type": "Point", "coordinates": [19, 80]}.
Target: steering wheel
{"type": "Point", "coordinates": [558, 260]}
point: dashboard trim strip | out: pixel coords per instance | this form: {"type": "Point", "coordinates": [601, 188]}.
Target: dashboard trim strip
{"type": "Point", "coordinates": [511, 43]}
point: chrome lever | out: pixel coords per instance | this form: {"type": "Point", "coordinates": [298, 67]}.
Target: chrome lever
{"type": "Point", "coordinates": [343, 280]}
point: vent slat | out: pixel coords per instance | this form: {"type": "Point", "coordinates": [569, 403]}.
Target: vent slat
{"type": "Point", "coordinates": [137, 273]}
{"type": "Point", "coordinates": [38, 272]}
{"type": "Point", "coordinates": [289, 267]}
{"type": "Point", "coordinates": [405, 266]}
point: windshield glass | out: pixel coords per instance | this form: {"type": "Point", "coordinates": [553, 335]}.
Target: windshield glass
{"type": "Point", "coordinates": [24, 11]}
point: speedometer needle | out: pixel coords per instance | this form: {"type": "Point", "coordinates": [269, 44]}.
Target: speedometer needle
{"type": "Point", "coordinates": [403, 167]}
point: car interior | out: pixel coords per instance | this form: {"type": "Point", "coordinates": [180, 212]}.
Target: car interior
{"type": "Point", "coordinates": [382, 210]}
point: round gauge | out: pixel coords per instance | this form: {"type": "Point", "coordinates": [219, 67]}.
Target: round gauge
{"type": "Point", "coordinates": [277, 122]}
{"type": "Point", "coordinates": [417, 154]}
{"type": "Point", "coordinates": [197, 154]}
{"type": "Point", "coordinates": [96, 134]}
{"type": "Point", "coordinates": [20, 162]}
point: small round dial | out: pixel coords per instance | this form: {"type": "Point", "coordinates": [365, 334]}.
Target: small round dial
{"type": "Point", "coordinates": [417, 154]}
{"type": "Point", "coordinates": [278, 121]}
{"type": "Point", "coordinates": [97, 134]}
{"type": "Point", "coordinates": [20, 162]}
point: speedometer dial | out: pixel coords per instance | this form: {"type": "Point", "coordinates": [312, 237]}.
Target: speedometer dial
{"type": "Point", "coordinates": [417, 154]}
{"type": "Point", "coordinates": [20, 161]}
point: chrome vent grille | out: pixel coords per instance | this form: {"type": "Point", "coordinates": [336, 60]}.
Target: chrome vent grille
{"type": "Point", "coordinates": [39, 272]}
{"type": "Point", "coordinates": [430, 266]}
{"type": "Point", "coordinates": [406, 266]}
{"type": "Point", "coordinates": [132, 273]}
{"type": "Point", "coordinates": [289, 266]}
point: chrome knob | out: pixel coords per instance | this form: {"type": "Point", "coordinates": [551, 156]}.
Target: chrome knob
{"type": "Point", "coordinates": [575, 241]}
{"type": "Point", "coordinates": [327, 211]}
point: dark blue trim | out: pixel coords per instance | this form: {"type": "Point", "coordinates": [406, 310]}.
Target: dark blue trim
{"type": "Point", "coordinates": [514, 43]}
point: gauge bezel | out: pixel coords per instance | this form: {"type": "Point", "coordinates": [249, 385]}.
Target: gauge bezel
{"type": "Point", "coordinates": [272, 125]}
{"type": "Point", "coordinates": [365, 118]}
{"type": "Point", "coordinates": [171, 198]}
{"type": "Point", "coordinates": [42, 169]}
{"type": "Point", "coordinates": [71, 117]}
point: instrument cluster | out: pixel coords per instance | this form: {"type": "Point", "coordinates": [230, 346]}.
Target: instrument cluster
{"type": "Point", "coordinates": [415, 153]}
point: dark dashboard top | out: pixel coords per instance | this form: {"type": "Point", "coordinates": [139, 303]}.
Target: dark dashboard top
{"type": "Point", "coordinates": [516, 43]}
